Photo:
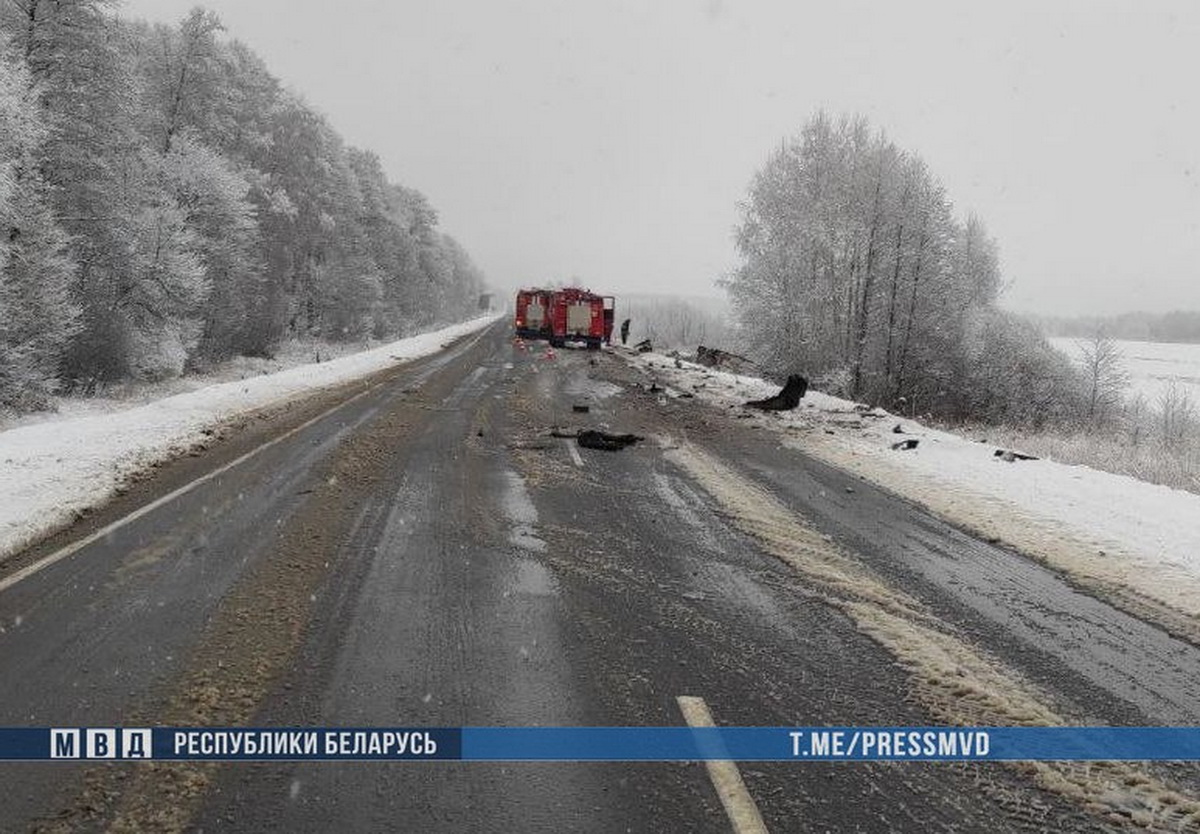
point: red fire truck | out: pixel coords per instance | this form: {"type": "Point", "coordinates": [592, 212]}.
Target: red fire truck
{"type": "Point", "coordinates": [533, 314]}
{"type": "Point", "coordinates": [581, 316]}
{"type": "Point", "coordinates": [565, 315]}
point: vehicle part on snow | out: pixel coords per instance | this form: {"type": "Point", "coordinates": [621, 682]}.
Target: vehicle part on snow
{"type": "Point", "coordinates": [1009, 455]}
{"type": "Point", "coordinates": [786, 399]}
{"type": "Point", "coordinates": [717, 358]}
{"type": "Point", "coordinates": [594, 439]}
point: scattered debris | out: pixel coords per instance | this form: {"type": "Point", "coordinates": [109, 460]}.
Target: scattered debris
{"type": "Point", "coordinates": [533, 445]}
{"type": "Point", "coordinates": [911, 443]}
{"type": "Point", "coordinates": [594, 439]}
{"type": "Point", "coordinates": [717, 358]}
{"type": "Point", "coordinates": [786, 399]}
{"type": "Point", "coordinates": [1009, 455]}
{"type": "Point", "coordinates": [581, 409]}
{"type": "Point", "coordinates": [643, 346]}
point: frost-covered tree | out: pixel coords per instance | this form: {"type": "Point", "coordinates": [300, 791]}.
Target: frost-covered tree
{"type": "Point", "coordinates": [38, 315]}
{"type": "Point", "coordinates": [178, 206]}
{"type": "Point", "coordinates": [1105, 378]}
{"type": "Point", "coordinates": [855, 268]}
{"type": "Point", "coordinates": [1177, 416]}
{"type": "Point", "coordinates": [188, 79]}
{"type": "Point", "coordinates": [213, 198]}
{"type": "Point", "coordinates": [158, 299]}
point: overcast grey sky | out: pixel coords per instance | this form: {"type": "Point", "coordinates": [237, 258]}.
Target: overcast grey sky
{"type": "Point", "coordinates": [612, 140]}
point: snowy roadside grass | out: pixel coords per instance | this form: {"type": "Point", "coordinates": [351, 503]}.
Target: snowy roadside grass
{"type": "Point", "coordinates": [121, 396]}
{"type": "Point", "coordinates": [53, 469]}
{"type": "Point", "coordinates": [1136, 539]}
{"type": "Point", "coordinates": [1109, 451]}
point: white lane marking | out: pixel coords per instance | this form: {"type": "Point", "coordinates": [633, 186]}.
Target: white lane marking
{"type": "Point", "coordinates": [574, 453]}
{"type": "Point", "coordinates": [739, 806]}
{"type": "Point", "coordinates": [45, 562]}
{"type": "Point", "coordinates": [59, 555]}
{"type": "Point", "coordinates": [519, 508]}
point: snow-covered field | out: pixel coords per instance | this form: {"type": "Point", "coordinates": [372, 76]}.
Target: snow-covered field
{"type": "Point", "coordinates": [1108, 530]}
{"type": "Point", "coordinates": [1152, 366]}
{"type": "Point", "coordinates": [50, 469]}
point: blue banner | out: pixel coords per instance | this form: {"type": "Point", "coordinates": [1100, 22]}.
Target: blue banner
{"type": "Point", "coordinates": [663, 744]}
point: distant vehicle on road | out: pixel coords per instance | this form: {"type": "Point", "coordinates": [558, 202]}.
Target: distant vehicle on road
{"type": "Point", "coordinates": [533, 314]}
{"type": "Point", "coordinates": [581, 316]}
{"type": "Point", "coordinates": [566, 315]}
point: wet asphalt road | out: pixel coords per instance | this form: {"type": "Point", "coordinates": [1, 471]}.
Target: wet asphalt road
{"type": "Point", "coordinates": [429, 555]}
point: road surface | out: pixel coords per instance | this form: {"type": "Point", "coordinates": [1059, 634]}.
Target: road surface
{"type": "Point", "coordinates": [416, 549]}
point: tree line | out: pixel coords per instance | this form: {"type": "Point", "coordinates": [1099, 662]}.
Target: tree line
{"type": "Point", "coordinates": [855, 270]}
{"type": "Point", "coordinates": [166, 203]}
{"type": "Point", "coordinates": [675, 321]}
{"type": "Point", "coordinates": [1179, 326]}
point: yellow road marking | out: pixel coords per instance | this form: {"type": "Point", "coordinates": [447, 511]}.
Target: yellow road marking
{"type": "Point", "coordinates": [739, 806]}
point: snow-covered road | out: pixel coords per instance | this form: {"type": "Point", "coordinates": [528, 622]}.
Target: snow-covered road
{"type": "Point", "coordinates": [54, 469]}
{"type": "Point", "coordinates": [1110, 531]}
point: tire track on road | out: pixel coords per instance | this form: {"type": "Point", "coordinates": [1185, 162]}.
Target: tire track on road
{"type": "Point", "coordinates": [252, 639]}
{"type": "Point", "coordinates": [957, 682]}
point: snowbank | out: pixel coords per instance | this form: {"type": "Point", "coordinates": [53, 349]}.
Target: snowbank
{"type": "Point", "coordinates": [1112, 531]}
{"type": "Point", "coordinates": [51, 470]}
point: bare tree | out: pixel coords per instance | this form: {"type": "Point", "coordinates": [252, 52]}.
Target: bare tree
{"type": "Point", "coordinates": [1105, 377]}
{"type": "Point", "coordinates": [1177, 419]}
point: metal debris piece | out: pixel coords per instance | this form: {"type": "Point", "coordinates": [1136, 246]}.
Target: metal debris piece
{"type": "Point", "coordinates": [602, 440]}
